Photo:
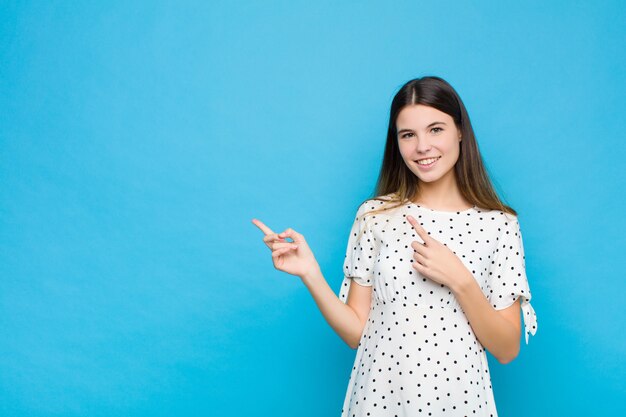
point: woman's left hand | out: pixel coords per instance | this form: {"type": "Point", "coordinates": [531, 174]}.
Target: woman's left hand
{"type": "Point", "coordinates": [436, 261]}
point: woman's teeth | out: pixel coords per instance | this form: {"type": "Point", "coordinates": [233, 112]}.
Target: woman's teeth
{"type": "Point", "coordinates": [427, 161]}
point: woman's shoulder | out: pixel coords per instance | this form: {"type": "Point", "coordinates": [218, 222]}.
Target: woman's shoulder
{"type": "Point", "coordinates": [374, 204]}
{"type": "Point", "coordinates": [376, 201]}
{"type": "Point", "coordinates": [500, 217]}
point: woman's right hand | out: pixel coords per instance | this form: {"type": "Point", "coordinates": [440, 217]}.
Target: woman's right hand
{"type": "Point", "coordinates": [295, 258]}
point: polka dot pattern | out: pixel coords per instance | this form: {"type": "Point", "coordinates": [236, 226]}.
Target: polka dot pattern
{"type": "Point", "coordinates": [418, 354]}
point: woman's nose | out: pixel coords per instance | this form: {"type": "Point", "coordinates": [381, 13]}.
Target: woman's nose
{"type": "Point", "coordinates": [422, 146]}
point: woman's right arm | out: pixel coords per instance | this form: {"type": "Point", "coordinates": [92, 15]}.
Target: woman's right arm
{"type": "Point", "coordinates": [296, 258]}
{"type": "Point", "coordinates": [347, 319]}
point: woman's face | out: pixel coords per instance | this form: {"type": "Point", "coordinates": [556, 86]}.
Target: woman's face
{"type": "Point", "coordinates": [428, 135]}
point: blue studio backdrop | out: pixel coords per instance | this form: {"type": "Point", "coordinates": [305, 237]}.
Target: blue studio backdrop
{"type": "Point", "coordinates": [138, 139]}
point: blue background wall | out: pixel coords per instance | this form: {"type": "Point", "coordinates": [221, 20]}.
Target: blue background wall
{"type": "Point", "coordinates": [139, 139]}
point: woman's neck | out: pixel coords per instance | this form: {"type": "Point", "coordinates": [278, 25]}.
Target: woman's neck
{"type": "Point", "coordinates": [441, 196]}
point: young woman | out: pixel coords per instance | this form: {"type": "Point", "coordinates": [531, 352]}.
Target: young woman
{"type": "Point", "coordinates": [439, 268]}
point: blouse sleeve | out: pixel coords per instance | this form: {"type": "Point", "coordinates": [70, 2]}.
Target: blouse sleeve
{"type": "Point", "coordinates": [361, 252]}
{"type": "Point", "coordinates": [507, 276]}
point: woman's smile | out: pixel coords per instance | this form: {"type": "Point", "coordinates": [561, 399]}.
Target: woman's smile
{"type": "Point", "coordinates": [427, 163]}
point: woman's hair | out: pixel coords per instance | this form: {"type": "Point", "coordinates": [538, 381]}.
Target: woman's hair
{"type": "Point", "coordinates": [397, 183]}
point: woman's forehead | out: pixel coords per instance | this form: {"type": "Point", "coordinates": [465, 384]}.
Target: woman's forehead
{"type": "Point", "coordinates": [420, 116]}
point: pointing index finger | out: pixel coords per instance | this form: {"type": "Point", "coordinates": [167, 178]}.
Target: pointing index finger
{"type": "Point", "coordinates": [258, 223]}
{"type": "Point", "coordinates": [418, 228]}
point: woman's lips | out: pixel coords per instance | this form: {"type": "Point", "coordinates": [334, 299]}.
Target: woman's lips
{"type": "Point", "coordinates": [429, 165]}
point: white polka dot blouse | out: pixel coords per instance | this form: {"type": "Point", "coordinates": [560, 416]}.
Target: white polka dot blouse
{"type": "Point", "coordinates": [418, 354]}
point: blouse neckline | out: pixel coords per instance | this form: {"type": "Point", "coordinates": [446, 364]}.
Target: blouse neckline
{"type": "Point", "coordinates": [421, 207]}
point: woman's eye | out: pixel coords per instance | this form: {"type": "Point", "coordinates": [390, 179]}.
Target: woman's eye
{"type": "Point", "coordinates": [405, 135]}
{"type": "Point", "coordinates": [433, 129]}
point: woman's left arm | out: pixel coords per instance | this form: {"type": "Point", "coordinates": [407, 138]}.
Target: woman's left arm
{"type": "Point", "coordinates": [499, 331]}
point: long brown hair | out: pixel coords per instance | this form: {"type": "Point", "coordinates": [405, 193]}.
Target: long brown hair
{"type": "Point", "coordinates": [398, 184]}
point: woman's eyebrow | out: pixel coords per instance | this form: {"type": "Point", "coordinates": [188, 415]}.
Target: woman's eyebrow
{"type": "Point", "coordinates": [432, 124]}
